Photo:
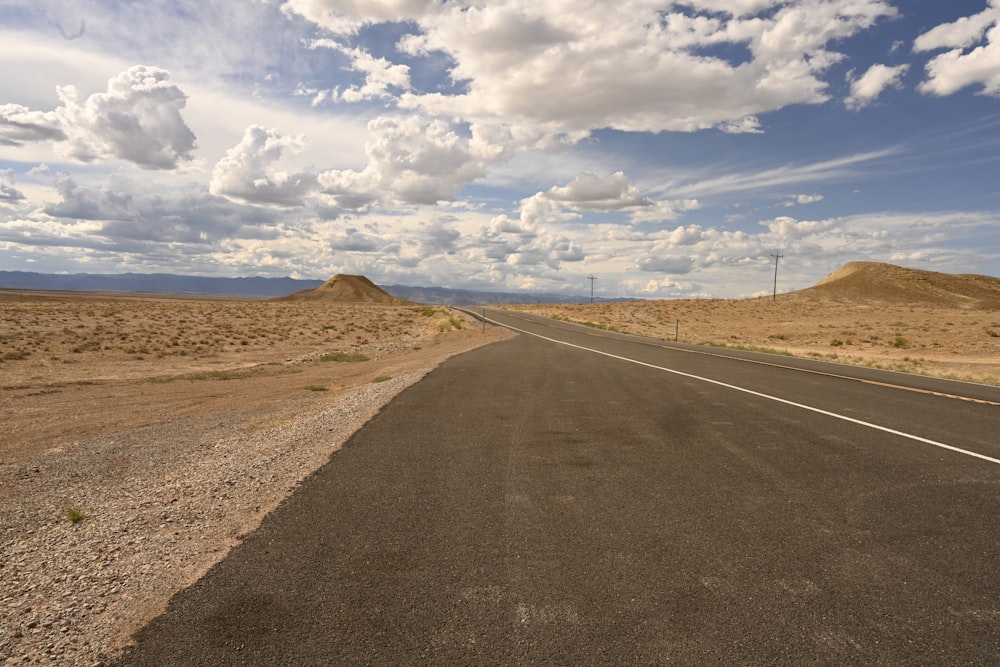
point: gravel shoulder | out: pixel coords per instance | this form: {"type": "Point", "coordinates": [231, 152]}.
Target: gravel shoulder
{"type": "Point", "coordinates": [168, 475]}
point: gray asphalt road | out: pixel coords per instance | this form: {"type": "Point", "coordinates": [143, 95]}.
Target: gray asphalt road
{"type": "Point", "coordinates": [537, 503]}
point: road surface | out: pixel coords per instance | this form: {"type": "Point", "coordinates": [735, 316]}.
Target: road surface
{"type": "Point", "coordinates": [590, 498]}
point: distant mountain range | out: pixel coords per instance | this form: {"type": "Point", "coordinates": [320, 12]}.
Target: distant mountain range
{"type": "Point", "coordinates": [256, 287]}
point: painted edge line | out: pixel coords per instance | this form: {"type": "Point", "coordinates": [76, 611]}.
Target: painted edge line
{"type": "Point", "coordinates": [667, 346]}
{"type": "Point", "coordinates": [802, 406]}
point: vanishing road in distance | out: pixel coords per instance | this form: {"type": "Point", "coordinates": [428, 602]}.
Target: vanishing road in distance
{"type": "Point", "coordinates": [577, 497]}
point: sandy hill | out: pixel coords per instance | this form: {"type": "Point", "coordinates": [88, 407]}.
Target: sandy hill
{"type": "Point", "coordinates": [347, 289]}
{"type": "Point", "coordinates": [875, 281]}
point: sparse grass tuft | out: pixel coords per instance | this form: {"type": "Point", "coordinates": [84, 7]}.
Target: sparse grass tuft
{"type": "Point", "coordinates": [236, 374]}
{"type": "Point", "coordinates": [316, 387]}
{"type": "Point", "coordinates": [382, 378]}
{"type": "Point", "coordinates": [343, 357]}
{"type": "Point", "coordinates": [747, 348]}
{"type": "Point", "coordinates": [75, 514]}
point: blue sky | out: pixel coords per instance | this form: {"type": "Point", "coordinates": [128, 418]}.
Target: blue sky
{"type": "Point", "coordinates": [667, 148]}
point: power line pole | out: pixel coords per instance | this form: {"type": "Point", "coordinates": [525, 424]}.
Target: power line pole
{"type": "Point", "coordinates": [777, 257]}
{"type": "Point", "coordinates": [592, 278]}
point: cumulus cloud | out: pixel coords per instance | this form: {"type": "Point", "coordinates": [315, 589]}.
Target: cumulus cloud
{"type": "Point", "coordinates": [671, 265]}
{"type": "Point", "coordinates": [685, 249]}
{"type": "Point", "coordinates": [137, 119]}
{"type": "Point", "coordinates": [867, 88]}
{"type": "Point", "coordinates": [664, 211]}
{"type": "Point", "coordinates": [348, 16]}
{"type": "Point", "coordinates": [745, 125]}
{"type": "Point", "coordinates": [803, 199]}
{"type": "Point", "coordinates": [19, 125]}
{"type": "Point", "coordinates": [411, 160]}
{"type": "Point", "coordinates": [382, 77]}
{"type": "Point", "coordinates": [525, 243]}
{"type": "Point", "coordinates": [973, 55]}
{"type": "Point", "coordinates": [126, 211]}
{"type": "Point", "coordinates": [247, 172]}
{"type": "Point", "coordinates": [354, 240]}
{"type": "Point", "coordinates": [9, 193]}
{"type": "Point", "coordinates": [593, 193]}
{"type": "Point", "coordinates": [642, 67]}
{"type": "Point", "coordinates": [651, 68]}
{"type": "Point", "coordinates": [590, 192]}
{"type": "Point", "coordinates": [788, 229]}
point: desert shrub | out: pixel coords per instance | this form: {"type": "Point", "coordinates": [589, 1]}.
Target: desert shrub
{"type": "Point", "coordinates": [343, 357]}
{"type": "Point", "coordinates": [899, 342]}
{"type": "Point", "coordinates": [382, 378]}
{"type": "Point", "coordinates": [75, 514]}
{"type": "Point", "coordinates": [316, 387]}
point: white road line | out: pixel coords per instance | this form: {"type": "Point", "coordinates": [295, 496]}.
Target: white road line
{"type": "Point", "coordinates": [827, 413]}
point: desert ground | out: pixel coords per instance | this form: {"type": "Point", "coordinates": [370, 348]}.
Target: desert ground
{"type": "Point", "coordinates": [865, 314]}
{"type": "Point", "coordinates": [142, 436]}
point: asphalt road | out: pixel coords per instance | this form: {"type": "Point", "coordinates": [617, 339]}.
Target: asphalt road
{"type": "Point", "coordinates": [534, 502]}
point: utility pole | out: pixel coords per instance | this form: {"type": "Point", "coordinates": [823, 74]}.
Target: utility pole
{"type": "Point", "coordinates": [777, 257]}
{"type": "Point", "coordinates": [592, 278]}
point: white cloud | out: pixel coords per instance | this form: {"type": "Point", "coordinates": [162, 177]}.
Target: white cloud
{"type": "Point", "coordinates": [348, 16]}
{"type": "Point", "coordinates": [867, 88]}
{"type": "Point", "coordinates": [961, 33]}
{"type": "Point", "coordinates": [973, 57]}
{"type": "Point", "coordinates": [128, 214]}
{"type": "Point", "coordinates": [137, 120]}
{"type": "Point", "coordinates": [411, 160]}
{"type": "Point", "coordinates": [381, 75]}
{"type": "Point", "coordinates": [745, 125]}
{"type": "Point", "coordinates": [803, 199]}
{"type": "Point", "coordinates": [247, 171]}
{"type": "Point", "coordinates": [354, 240]}
{"type": "Point", "coordinates": [589, 192]}
{"type": "Point", "coordinates": [664, 211]}
{"type": "Point", "coordinates": [9, 193]}
{"type": "Point", "coordinates": [32, 65]}
{"type": "Point", "coordinates": [637, 68]}
{"type": "Point", "coordinates": [669, 264]}
{"type": "Point", "coordinates": [786, 229]}
{"type": "Point", "coordinates": [19, 125]}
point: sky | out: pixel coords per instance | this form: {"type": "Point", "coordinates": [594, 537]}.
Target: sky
{"type": "Point", "coordinates": [663, 149]}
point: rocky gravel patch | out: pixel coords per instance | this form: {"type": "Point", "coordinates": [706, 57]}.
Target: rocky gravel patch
{"type": "Point", "coordinates": [160, 506]}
